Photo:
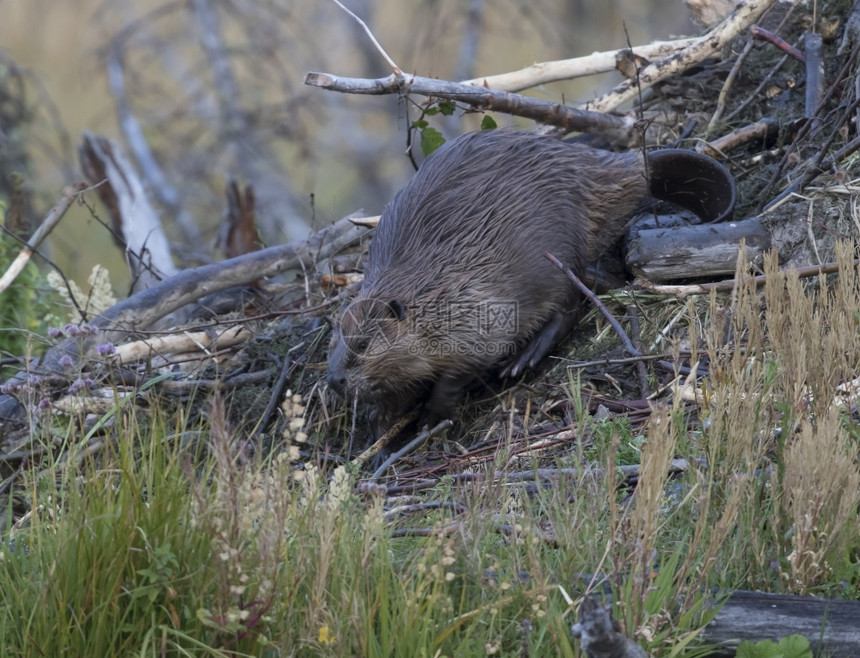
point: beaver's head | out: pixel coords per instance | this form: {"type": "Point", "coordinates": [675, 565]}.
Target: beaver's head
{"type": "Point", "coordinates": [376, 353]}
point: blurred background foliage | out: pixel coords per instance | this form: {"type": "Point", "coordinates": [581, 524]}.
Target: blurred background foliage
{"type": "Point", "coordinates": [216, 87]}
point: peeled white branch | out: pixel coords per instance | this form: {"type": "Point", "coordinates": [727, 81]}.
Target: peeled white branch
{"type": "Point", "coordinates": [745, 14]}
{"type": "Point", "coordinates": [51, 219]}
{"type": "Point", "coordinates": [577, 67]}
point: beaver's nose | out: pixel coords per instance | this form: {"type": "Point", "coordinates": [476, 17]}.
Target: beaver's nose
{"type": "Point", "coordinates": [336, 381]}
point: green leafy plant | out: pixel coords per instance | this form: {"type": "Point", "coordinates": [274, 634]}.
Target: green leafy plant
{"type": "Point", "coordinates": [431, 138]}
{"type": "Point", "coordinates": [792, 646]}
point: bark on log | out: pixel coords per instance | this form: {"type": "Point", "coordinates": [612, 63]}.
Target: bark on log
{"type": "Point", "coordinates": [831, 626]}
{"type": "Point", "coordinates": [706, 250]}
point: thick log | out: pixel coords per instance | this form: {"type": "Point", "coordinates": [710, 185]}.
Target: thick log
{"type": "Point", "coordinates": [831, 626]}
{"type": "Point", "coordinates": [689, 252]}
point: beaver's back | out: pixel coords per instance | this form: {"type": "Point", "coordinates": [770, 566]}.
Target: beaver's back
{"type": "Point", "coordinates": [472, 226]}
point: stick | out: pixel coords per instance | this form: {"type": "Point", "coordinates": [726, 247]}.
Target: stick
{"type": "Point", "coordinates": [760, 34]}
{"type": "Point", "coordinates": [628, 344]}
{"type": "Point", "coordinates": [418, 440]}
{"type": "Point", "coordinates": [544, 111]}
{"type": "Point", "coordinates": [594, 300]}
{"type": "Point", "coordinates": [55, 214]}
{"type": "Point", "coordinates": [394, 67]}
{"type": "Point", "coordinates": [727, 85]}
{"type": "Point", "coordinates": [729, 284]}
{"type": "Point", "coordinates": [745, 14]}
{"type": "Point", "coordinates": [385, 439]}
{"type": "Point", "coordinates": [567, 69]}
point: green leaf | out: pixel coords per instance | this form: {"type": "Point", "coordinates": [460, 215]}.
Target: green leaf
{"type": "Point", "coordinates": [447, 107]}
{"type": "Point", "coordinates": [763, 649]}
{"type": "Point", "coordinates": [420, 124]}
{"type": "Point", "coordinates": [795, 646]}
{"type": "Point", "coordinates": [431, 139]}
{"type": "Point", "coordinates": [488, 123]}
{"type": "Point", "coordinates": [792, 646]}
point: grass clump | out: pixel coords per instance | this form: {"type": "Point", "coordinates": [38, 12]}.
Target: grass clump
{"type": "Point", "coordinates": [777, 425]}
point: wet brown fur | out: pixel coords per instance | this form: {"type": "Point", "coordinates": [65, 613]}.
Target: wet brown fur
{"type": "Point", "coordinates": [467, 235]}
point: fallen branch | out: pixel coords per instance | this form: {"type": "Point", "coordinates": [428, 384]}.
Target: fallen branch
{"type": "Point", "coordinates": [729, 284]}
{"type": "Point", "coordinates": [548, 112]}
{"type": "Point", "coordinates": [143, 309]}
{"type": "Point", "coordinates": [700, 251]}
{"type": "Point", "coordinates": [577, 67]}
{"type": "Point", "coordinates": [385, 439]}
{"type": "Point", "coordinates": [745, 14]}
{"type": "Point", "coordinates": [625, 339]}
{"type": "Point", "coordinates": [53, 217]}
{"type": "Point", "coordinates": [414, 443]}
{"type": "Point", "coordinates": [179, 343]}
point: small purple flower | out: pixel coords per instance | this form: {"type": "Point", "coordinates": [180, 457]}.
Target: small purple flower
{"type": "Point", "coordinates": [105, 349]}
{"type": "Point", "coordinates": [44, 403]}
{"type": "Point", "coordinates": [77, 386]}
{"type": "Point", "coordinates": [55, 333]}
{"type": "Point", "coordinates": [9, 389]}
{"type": "Point", "coordinates": [34, 381]}
{"type": "Point", "coordinates": [90, 383]}
{"type": "Point", "coordinates": [66, 361]}
{"type": "Point", "coordinates": [72, 330]}
{"type": "Point", "coordinates": [88, 329]}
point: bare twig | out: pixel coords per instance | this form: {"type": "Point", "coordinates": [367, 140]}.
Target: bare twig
{"type": "Point", "coordinates": [625, 339]}
{"type": "Point", "coordinates": [762, 130]}
{"type": "Point", "coordinates": [277, 393]}
{"type": "Point", "coordinates": [409, 447]}
{"type": "Point", "coordinates": [385, 439]}
{"type": "Point", "coordinates": [597, 303]}
{"type": "Point", "coordinates": [764, 82]}
{"type": "Point", "coordinates": [761, 34]}
{"type": "Point", "coordinates": [53, 217]}
{"type": "Point", "coordinates": [641, 371]}
{"type": "Point", "coordinates": [394, 67]}
{"type": "Point", "coordinates": [184, 341]}
{"type": "Point", "coordinates": [727, 85]}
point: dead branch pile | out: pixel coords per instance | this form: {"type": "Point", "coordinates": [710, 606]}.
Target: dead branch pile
{"type": "Point", "coordinates": [782, 117]}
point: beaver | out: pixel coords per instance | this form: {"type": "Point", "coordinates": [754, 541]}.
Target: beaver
{"type": "Point", "coordinates": [456, 284]}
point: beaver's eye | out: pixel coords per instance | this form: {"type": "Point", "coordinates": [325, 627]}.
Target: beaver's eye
{"type": "Point", "coordinates": [360, 346]}
{"type": "Point", "coordinates": [397, 309]}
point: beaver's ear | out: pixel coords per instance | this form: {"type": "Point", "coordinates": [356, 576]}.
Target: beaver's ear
{"type": "Point", "coordinates": [397, 308]}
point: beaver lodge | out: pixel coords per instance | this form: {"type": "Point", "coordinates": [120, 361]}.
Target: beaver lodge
{"type": "Point", "coordinates": [695, 435]}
